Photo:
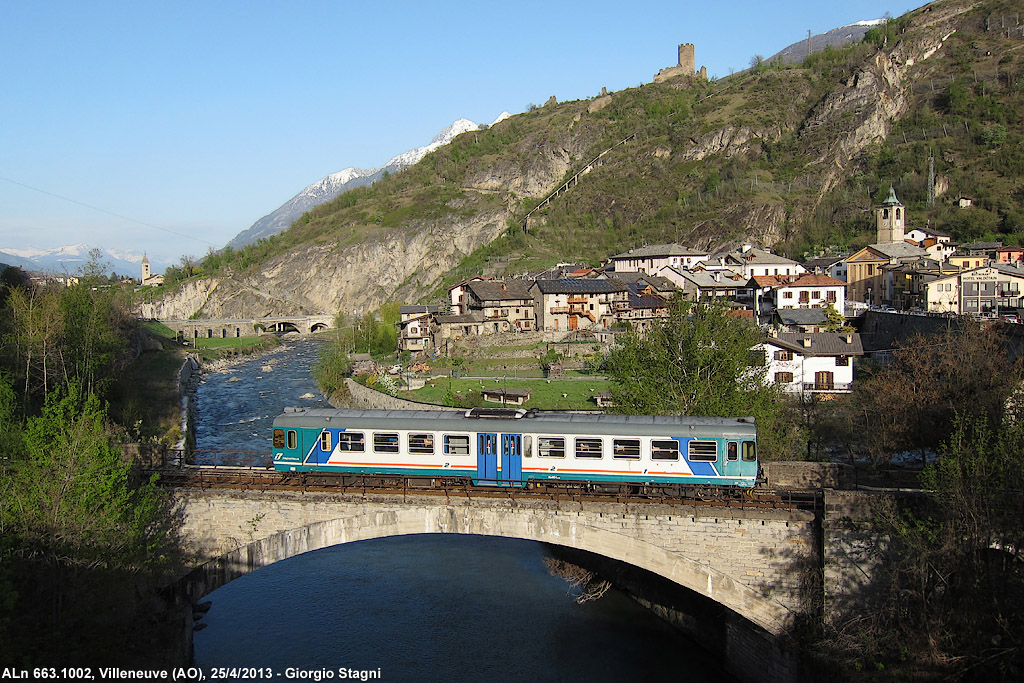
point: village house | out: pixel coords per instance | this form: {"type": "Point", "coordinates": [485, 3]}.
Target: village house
{"type": "Point", "coordinates": [799, 320]}
{"type": "Point", "coordinates": [833, 266]}
{"type": "Point", "coordinates": [989, 290]}
{"type": "Point", "coordinates": [773, 292]}
{"type": "Point", "coordinates": [574, 303]}
{"type": "Point", "coordinates": [817, 363]}
{"type": "Point", "coordinates": [653, 258]}
{"type": "Point", "coordinates": [701, 285]}
{"type": "Point", "coordinates": [1010, 255]}
{"type": "Point", "coordinates": [748, 261]}
{"type": "Point", "coordinates": [503, 306]}
{"type": "Point", "coordinates": [416, 327]}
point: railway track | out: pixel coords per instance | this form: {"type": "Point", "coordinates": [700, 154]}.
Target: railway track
{"type": "Point", "coordinates": [262, 479]}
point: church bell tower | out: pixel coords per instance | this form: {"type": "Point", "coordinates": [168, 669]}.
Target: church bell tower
{"type": "Point", "coordinates": [890, 219]}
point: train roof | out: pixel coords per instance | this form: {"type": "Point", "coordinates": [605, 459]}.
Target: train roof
{"type": "Point", "coordinates": [507, 420]}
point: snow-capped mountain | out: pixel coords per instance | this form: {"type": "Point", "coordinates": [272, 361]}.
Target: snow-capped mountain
{"type": "Point", "coordinates": [837, 37]}
{"type": "Point", "coordinates": [69, 259]}
{"type": "Point", "coordinates": [333, 185]}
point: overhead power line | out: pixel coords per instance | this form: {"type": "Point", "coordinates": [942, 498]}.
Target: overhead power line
{"type": "Point", "coordinates": [109, 213]}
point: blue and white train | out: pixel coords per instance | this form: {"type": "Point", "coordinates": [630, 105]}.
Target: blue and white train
{"type": "Point", "coordinates": [516, 448]}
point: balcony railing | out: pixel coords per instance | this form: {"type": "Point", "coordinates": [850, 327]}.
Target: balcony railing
{"type": "Point", "coordinates": [829, 387]}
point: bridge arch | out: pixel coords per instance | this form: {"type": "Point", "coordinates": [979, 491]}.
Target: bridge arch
{"type": "Point", "coordinates": [597, 533]}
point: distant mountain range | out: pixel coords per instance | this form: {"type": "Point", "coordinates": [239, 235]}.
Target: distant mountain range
{"type": "Point", "coordinates": [328, 188]}
{"type": "Point", "coordinates": [69, 260]}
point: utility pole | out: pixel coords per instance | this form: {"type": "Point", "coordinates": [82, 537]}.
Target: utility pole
{"type": "Point", "coordinates": [808, 42]}
{"type": "Point", "coordinates": [931, 180]}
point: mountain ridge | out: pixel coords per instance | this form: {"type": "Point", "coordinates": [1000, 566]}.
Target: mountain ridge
{"type": "Point", "coordinates": [331, 186]}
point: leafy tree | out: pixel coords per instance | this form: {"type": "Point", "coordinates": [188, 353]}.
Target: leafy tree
{"type": "Point", "coordinates": [83, 540]}
{"type": "Point", "coordinates": [700, 361]}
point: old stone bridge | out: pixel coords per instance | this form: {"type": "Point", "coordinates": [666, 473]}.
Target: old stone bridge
{"type": "Point", "coordinates": [247, 327]}
{"type": "Point", "coordinates": [766, 566]}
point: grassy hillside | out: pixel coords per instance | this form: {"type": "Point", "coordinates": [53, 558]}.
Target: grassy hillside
{"type": "Point", "coordinates": [749, 157]}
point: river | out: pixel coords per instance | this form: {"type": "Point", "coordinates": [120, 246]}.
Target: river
{"type": "Point", "coordinates": [413, 608]}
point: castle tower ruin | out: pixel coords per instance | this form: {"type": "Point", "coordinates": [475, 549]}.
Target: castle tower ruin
{"type": "Point", "coordinates": [686, 66]}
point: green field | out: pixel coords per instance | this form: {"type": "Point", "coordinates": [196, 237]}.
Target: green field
{"type": "Point", "coordinates": [545, 395]}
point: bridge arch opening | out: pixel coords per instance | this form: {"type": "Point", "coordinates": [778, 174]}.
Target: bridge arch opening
{"type": "Point", "coordinates": [319, 327]}
{"type": "Point", "coordinates": [285, 327]}
{"type": "Point", "coordinates": [764, 611]}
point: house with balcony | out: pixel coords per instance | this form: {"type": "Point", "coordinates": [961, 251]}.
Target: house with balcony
{"type": "Point", "coordinates": [417, 325]}
{"type": "Point", "coordinates": [815, 363]}
{"type": "Point", "coordinates": [502, 305]}
{"type": "Point", "coordinates": [578, 303]}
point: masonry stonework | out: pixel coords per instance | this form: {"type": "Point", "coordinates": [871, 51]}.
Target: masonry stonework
{"type": "Point", "coordinates": [749, 561]}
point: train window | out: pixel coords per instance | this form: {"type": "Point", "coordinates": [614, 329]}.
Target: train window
{"type": "Point", "coordinates": [293, 440]}
{"type": "Point", "coordinates": [749, 451]}
{"type": "Point", "coordinates": [550, 447]}
{"type": "Point", "coordinates": [351, 441]}
{"type": "Point", "coordinates": [731, 451]}
{"type": "Point", "coordinates": [527, 446]}
{"type": "Point", "coordinates": [385, 442]}
{"type": "Point", "coordinates": [325, 441]}
{"type": "Point", "coordinates": [587, 447]}
{"type": "Point", "coordinates": [278, 438]}
{"type": "Point", "coordinates": [667, 449]}
{"type": "Point", "coordinates": [703, 450]}
{"type": "Point", "coordinates": [421, 443]}
{"type": "Point", "coordinates": [456, 444]}
{"type": "Point", "coordinates": [626, 449]}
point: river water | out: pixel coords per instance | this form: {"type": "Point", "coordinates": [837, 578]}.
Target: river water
{"type": "Point", "coordinates": [412, 608]}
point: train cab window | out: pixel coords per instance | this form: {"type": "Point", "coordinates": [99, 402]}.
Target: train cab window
{"type": "Point", "coordinates": [626, 449]}
{"type": "Point", "coordinates": [550, 447]}
{"type": "Point", "coordinates": [325, 442]}
{"type": "Point", "coordinates": [385, 442]}
{"type": "Point", "coordinates": [587, 447]}
{"type": "Point", "coordinates": [421, 443]}
{"type": "Point", "coordinates": [293, 439]}
{"type": "Point", "coordinates": [703, 450]}
{"type": "Point", "coordinates": [731, 451]}
{"type": "Point", "coordinates": [456, 444]}
{"type": "Point", "coordinates": [664, 449]}
{"type": "Point", "coordinates": [351, 441]}
{"type": "Point", "coordinates": [749, 451]}
{"type": "Point", "coordinates": [278, 438]}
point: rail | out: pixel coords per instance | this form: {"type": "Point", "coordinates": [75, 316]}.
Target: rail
{"type": "Point", "coordinates": [264, 479]}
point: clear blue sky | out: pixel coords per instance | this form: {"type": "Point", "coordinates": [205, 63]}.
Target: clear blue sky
{"type": "Point", "coordinates": [198, 118]}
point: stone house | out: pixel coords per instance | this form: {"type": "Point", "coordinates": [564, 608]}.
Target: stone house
{"type": "Point", "coordinates": [573, 304]}
{"type": "Point", "coordinates": [698, 285]}
{"type": "Point", "coordinates": [504, 306]}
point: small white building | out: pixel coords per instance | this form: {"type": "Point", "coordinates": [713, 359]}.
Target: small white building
{"type": "Point", "coordinates": [749, 261]}
{"type": "Point", "coordinates": [806, 291]}
{"type": "Point", "coordinates": [819, 363]}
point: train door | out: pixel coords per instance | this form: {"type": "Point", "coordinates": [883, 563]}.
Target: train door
{"type": "Point", "coordinates": [731, 466]}
{"type": "Point", "coordinates": [511, 472]}
{"type": "Point", "coordinates": [487, 459]}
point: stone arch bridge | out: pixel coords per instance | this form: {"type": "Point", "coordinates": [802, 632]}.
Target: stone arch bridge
{"type": "Point", "coordinates": [225, 328]}
{"type": "Point", "coordinates": [755, 562]}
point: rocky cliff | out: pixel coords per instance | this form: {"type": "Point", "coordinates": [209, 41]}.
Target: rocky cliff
{"type": "Point", "coordinates": [660, 186]}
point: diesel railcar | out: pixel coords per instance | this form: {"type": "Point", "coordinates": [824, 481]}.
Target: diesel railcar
{"type": "Point", "coordinates": [514, 448]}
